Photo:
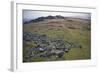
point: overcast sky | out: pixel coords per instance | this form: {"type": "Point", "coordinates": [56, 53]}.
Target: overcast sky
{"type": "Point", "coordinates": [31, 14]}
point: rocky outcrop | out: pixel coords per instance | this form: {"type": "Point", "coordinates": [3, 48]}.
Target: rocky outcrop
{"type": "Point", "coordinates": [46, 47]}
{"type": "Point", "coordinates": [44, 18]}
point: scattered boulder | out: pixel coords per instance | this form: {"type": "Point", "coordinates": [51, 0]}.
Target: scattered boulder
{"type": "Point", "coordinates": [46, 47]}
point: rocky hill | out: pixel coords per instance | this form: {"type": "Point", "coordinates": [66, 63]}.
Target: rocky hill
{"type": "Point", "coordinates": [56, 29]}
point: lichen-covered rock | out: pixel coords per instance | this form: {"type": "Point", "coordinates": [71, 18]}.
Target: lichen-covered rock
{"type": "Point", "coordinates": [46, 47]}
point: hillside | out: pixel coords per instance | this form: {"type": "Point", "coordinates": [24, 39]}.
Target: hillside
{"type": "Point", "coordinates": [74, 30]}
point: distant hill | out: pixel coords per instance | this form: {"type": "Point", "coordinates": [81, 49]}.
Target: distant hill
{"type": "Point", "coordinates": [52, 17]}
{"type": "Point", "coordinates": [43, 18]}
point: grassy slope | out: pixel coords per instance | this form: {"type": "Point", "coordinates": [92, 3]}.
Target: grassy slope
{"type": "Point", "coordinates": [73, 30]}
